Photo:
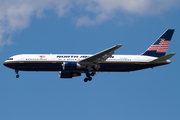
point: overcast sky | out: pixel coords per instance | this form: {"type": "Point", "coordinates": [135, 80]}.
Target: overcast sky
{"type": "Point", "coordinates": [68, 26]}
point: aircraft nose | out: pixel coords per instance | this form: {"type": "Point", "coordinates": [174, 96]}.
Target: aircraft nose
{"type": "Point", "coordinates": [5, 64]}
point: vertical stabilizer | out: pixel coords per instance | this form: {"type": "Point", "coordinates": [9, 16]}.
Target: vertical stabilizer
{"type": "Point", "coordinates": [160, 46]}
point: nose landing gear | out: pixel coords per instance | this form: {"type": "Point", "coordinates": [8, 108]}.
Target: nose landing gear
{"type": "Point", "coordinates": [16, 71]}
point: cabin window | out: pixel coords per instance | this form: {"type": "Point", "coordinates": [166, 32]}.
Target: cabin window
{"type": "Point", "coordinates": [10, 59]}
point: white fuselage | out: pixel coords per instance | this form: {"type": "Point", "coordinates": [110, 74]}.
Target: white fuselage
{"type": "Point", "coordinates": [77, 57]}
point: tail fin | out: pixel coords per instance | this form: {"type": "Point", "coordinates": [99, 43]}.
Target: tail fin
{"type": "Point", "coordinates": [160, 46]}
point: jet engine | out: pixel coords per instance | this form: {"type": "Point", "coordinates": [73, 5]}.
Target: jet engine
{"type": "Point", "coordinates": [68, 74]}
{"type": "Point", "coordinates": [71, 66]}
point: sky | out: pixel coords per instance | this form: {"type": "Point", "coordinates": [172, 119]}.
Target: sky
{"type": "Point", "coordinates": [88, 27]}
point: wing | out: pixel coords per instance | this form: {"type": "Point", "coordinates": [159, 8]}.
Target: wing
{"type": "Point", "coordinates": [100, 57]}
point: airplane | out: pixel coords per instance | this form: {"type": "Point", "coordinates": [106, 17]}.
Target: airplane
{"type": "Point", "coordinates": [72, 65]}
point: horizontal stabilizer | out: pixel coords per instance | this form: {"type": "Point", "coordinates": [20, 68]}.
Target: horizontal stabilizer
{"type": "Point", "coordinates": [164, 58]}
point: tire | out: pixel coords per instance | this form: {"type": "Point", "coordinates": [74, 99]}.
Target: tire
{"type": "Point", "coordinates": [17, 76]}
{"type": "Point", "coordinates": [85, 80]}
{"type": "Point", "coordinates": [90, 78]}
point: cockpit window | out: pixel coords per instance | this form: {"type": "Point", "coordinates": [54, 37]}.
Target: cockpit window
{"type": "Point", "coordinates": [10, 59]}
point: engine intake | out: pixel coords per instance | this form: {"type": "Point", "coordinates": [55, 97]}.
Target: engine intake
{"type": "Point", "coordinates": [68, 74]}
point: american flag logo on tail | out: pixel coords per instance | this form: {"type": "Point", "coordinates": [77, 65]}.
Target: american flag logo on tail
{"type": "Point", "coordinates": [161, 47]}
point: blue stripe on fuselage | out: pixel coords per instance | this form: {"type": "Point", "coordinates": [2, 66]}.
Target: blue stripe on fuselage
{"type": "Point", "coordinates": [104, 67]}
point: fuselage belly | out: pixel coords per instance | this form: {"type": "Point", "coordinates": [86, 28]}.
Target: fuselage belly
{"type": "Point", "coordinates": [104, 67]}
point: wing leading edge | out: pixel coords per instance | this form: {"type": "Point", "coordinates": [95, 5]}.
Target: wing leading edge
{"type": "Point", "coordinates": [101, 56]}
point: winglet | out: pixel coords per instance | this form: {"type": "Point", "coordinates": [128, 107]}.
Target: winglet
{"type": "Point", "coordinates": [163, 58]}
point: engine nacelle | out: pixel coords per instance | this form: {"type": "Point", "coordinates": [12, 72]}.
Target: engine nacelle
{"type": "Point", "coordinates": [71, 66]}
{"type": "Point", "coordinates": [68, 74]}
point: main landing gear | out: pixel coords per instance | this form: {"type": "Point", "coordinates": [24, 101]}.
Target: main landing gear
{"type": "Point", "coordinates": [16, 71]}
{"type": "Point", "coordinates": [88, 76]}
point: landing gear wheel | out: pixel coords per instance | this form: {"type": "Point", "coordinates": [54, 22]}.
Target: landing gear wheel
{"type": "Point", "coordinates": [85, 80]}
{"type": "Point", "coordinates": [92, 74]}
{"type": "Point", "coordinates": [90, 78]}
{"type": "Point", "coordinates": [17, 76]}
